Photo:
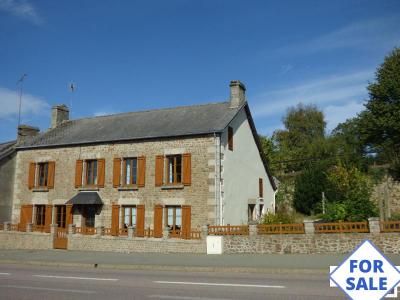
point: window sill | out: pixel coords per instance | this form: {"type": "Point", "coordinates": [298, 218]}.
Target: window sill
{"type": "Point", "coordinates": [173, 187]}
{"type": "Point", "coordinates": [40, 189]}
{"type": "Point", "coordinates": [128, 188]}
{"type": "Point", "coordinates": [89, 188]}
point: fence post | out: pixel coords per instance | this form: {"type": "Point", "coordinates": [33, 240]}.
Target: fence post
{"type": "Point", "coordinates": [252, 229]}
{"type": "Point", "coordinates": [374, 225]}
{"type": "Point", "coordinates": [131, 232]}
{"type": "Point", "coordinates": [53, 229]}
{"type": "Point", "coordinates": [99, 231]}
{"type": "Point", "coordinates": [165, 232]}
{"type": "Point", "coordinates": [7, 226]}
{"type": "Point", "coordinates": [309, 227]}
{"type": "Point", "coordinates": [71, 228]}
{"type": "Point", "coordinates": [29, 227]}
{"type": "Point", "coordinates": [204, 231]}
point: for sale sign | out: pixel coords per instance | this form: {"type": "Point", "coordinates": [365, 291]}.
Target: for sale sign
{"type": "Point", "coordinates": [366, 274]}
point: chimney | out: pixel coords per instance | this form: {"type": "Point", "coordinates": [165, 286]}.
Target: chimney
{"type": "Point", "coordinates": [238, 91]}
{"type": "Point", "coordinates": [25, 132]}
{"type": "Point", "coordinates": [59, 114]}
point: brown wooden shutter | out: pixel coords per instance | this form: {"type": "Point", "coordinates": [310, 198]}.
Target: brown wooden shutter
{"type": "Point", "coordinates": [68, 215]}
{"type": "Point", "coordinates": [78, 173]}
{"type": "Point", "coordinates": [50, 174]}
{"type": "Point", "coordinates": [117, 172]}
{"type": "Point", "coordinates": [159, 177]}
{"type": "Point", "coordinates": [260, 188]}
{"type": "Point", "coordinates": [48, 217]}
{"type": "Point", "coordinates": [101, 166]}
{"type": "Point", "coordinates": [141, 171]}
{"type": "Point", "coordinates": [140, 220]}
{"type": "Point", "coordinates": [230, 138]}
{"type": "Point", "coordinates": [31, 175]}
{"type": "Point", "coordinates": [25, 217]}
{"type": "Point", "coordinates": [115, 220]}
{"type": "Point", "coordinates": [187, 169]}
{"type": "Point", "coordinates": [158, 213]}
{"type": "Point", "coordinates": [186, 221]}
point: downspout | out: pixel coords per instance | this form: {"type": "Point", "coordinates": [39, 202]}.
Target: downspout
{"type": "Point", "coordinates": [216, 201]}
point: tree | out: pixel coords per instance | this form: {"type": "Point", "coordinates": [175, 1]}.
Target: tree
{"type": "Point", "coordinates": [269, 149]}
{"type": "Point", "coordinates": [380, 122]}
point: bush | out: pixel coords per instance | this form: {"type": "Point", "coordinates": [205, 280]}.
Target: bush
{"type": "Point", "coordinates": [335, 212]}
{"type": "Point", "coordinates": [281, 217]}
{"type": "Point", "coordinates": [395, 216]}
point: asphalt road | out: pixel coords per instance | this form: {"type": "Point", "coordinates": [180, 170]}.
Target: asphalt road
{"type": "Point", "coordinates": [35, 282]}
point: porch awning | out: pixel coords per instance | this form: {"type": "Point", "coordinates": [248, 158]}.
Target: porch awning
{"type": "Point", "coordinates": [86, 198]}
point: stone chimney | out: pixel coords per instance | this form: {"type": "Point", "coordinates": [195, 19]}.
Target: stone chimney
{"type": "Point", "coordinates": [59, 114]}
{"type": "Point", "coordinates": [238, 91]}
{"type": "Point", "coordinates": [25, 132]}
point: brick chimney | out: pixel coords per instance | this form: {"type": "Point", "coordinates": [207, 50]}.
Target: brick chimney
{"type": "Point", "coordinates": [59, 114]}
{"type": "Point", "coordinates": [238, 93]}
{"type": "Point", "coordinates": [25, 132]}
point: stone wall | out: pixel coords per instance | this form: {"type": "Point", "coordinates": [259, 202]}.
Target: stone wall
{"type": "Point", "coordinates": [25, 240]}
{"type": "Point", "coordinates": [200, 194]}
{"type": "Point", "coordinates": [7, 167]}
{"type": "Point", "coordinates": [131, 245]}
{"type": "Point", "coordinates": [388, 191]}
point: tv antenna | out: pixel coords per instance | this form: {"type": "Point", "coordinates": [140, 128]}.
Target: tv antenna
{"type": "Point", "coordinates": [71, 88]}
{"type": "Point", "coordinates": [20, 82]}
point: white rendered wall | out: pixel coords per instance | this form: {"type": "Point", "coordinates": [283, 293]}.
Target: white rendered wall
{"type": "Point", "coordinates": [241, 170]}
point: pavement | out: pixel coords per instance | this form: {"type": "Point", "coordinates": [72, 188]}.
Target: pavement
{"type": "Point", "coordinates": [276, 263]}
{"type": "Point", "coordinates": [46, 282]}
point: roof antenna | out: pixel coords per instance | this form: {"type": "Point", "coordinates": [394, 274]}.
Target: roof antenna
{"type": "Point", "coordinates": [20, 82]}
{"type": "Point", "coordinates": [72, 88]}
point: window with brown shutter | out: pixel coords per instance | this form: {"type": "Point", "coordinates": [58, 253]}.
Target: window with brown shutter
{"type": "Point", "coordinates": [117, 172]}
{"type": "Point", "coordinates": [78, 173]}
{"type": "Point", "coordinates": [140, 220]}
{"type": "Point", "coordinates": [186, 221]}
{"type": "Point", "coordinates": [115, 220]}
{"type": "Point", "coordinates": [101, 172]}
{"type": "Point", "coordinates": [40, 218]}
{"type": "Point", "coordinates": [49, 216]}
{"type": "Point", "coordinates": [230, 138]}
{"type": "Point", "coordinates": [174, 169]}
{"type": "Point", "coordinates": [31, 175]}
{"type": "Point", "coordinates": [51, 174]}
{"type": "Point", "coordinates": [159, 175]}
{"type": "Point", "coordinates": [141, 171]}
{"type": "Point", "coordinates": [25, 216]}
{"type": "Point", "coordinates": [69, 215]}
{"type": "Point", "coordinates": [187, 169]}
{"type": "Point", "coordinates": [158, 230]}
{"type": "Point", "coordinates": [260, 188]}
{"type": "Point", "coordinates": [41, 175]}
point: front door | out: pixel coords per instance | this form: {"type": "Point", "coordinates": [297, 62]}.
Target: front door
{"type": "Point", "coordinates": [89, 216]}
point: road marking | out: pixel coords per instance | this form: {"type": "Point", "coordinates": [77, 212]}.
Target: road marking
{"type": "Point", "coordinates": [222, 284]}
{"type": "Point", "coordinates": [47, 289]}
{"type": "Point", "coordinates": [7, 274]}
{"type": "Point", "coordinates": [78, 278]}
{"type": "Point", "coordinates": [184, 298]}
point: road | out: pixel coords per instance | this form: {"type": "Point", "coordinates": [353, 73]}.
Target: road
{"type": "Point", "coordinates": [36, 282]}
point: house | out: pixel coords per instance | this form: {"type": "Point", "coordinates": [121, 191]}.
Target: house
{"type": "Point", "coordinates": [180, 168]}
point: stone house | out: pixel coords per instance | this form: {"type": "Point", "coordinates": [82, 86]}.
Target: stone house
{"type": "Point", "coordinates": [180, 168]}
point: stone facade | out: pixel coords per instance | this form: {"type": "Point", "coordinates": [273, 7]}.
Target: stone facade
{"type": "Point", "coordinates": [25, 240]}
{"type": "Point", "coordinates": [389, 243]}
{"type": "Point", "coordinates": [387, 196]}
{"type": "Point", "coordinates": [199, 194]}
{"type": "Point", "coordinates": [7, 167]}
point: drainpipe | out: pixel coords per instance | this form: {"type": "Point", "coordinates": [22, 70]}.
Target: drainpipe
{"type": "Point", "coordinates": [216, 181]}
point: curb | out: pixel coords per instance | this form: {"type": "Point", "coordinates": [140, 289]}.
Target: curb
{"type": "Point", "coordinates": [168, 267]}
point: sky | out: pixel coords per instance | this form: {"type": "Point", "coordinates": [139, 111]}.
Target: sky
{"type": "Point", "coordinates": [138, 55]}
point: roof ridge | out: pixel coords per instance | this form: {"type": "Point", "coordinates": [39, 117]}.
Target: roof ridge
{"type": "Point", "coordinates": [148, 110]}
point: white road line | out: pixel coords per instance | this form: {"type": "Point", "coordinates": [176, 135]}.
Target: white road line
{"type": "Point", "coordinates": [184, 298]}
{"type": "Point", "coordinates": [78, 278]}
{"type": "Point", "coordinates": [47, 289]}
{"type": "Point", "coordinates": [221, 284]}
{"type": "Point", "coordinates": [6, 274]}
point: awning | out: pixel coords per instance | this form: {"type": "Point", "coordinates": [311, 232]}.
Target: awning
{"type": "Point", "coordinates": [86, 198]}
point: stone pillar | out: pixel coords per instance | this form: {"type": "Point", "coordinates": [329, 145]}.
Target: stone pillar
{"type": "Point", "coordinates": [253, 229]}
{"type": "Point", "coordinates": [374, 225]}
{"type": "Point", "coordinates": [99, 231]}
{"type": "Point", "coordinates": [131, 232]}
{"type": "Point", "coordinates": [204, 231]}
{"type": "Point", "coordinates": [71, 228]}
{"type": "Point", "coordinates": [53, 229]}
{"type": "Point", "coordinates": [309, 227]}
{"type": "Point", "coordinates": [7, 226]}
{"type": "Point", "coordinates": [166, 233]}
{"type": "Point", "coordinates": [29, 227]}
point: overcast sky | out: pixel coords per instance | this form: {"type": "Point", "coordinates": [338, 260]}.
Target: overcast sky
{"type": "Point", "coordinates": [136, 55]}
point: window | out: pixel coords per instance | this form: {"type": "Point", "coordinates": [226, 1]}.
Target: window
{"type": "Point", "coordinates": [60, 215]}
{"type": "Point", "coordinates": [174, 169]}
{"type": "Point", "coordinates": [91, 172]}
{"type": "Point", "coordinates": [260, 188]}
{"type": "Point", "coordinates": [173, 217]}
{"type": "Point", "coordinates": [251, 212]}
{"type": "Point", "coordinates": [89, 214]}
{"type": "Point", "coordinates": [230, 138]}
{"type": "Point", "coordinates": [40, 215]}
{"type": "Point", "coordinates": [129, 216]}
{"type": "Point", "coordinates": [43, 169]}
{"type": "Point", "coordinates": [130, 172]}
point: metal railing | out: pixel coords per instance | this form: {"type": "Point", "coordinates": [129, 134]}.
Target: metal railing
{"type": "Point", "coordinates": [390, 226]}
{"type": "Point", "coordinates": [149, 232]}
{"type": "Point", "coordinates": [342, 227]}
{"type": "Point", "coordinates": [41, 228]}
{"type": "Point", "coordinates": [85, 230]}
{"type": "Point", "coordinates": [228, 230]}
{"type": "Point", "coordinates": [297, 228]}
{"type": "Point", "coordinates": [195, 235]}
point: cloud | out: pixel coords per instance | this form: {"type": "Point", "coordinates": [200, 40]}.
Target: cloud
{"type": "Point", "coordinates": [370, 33]}
{"type": "Point", "coordinates": [31, 105]}
{"type": "Point", "coordinates": [322, 91]}
{"type": "Point", "coordinates": [22, 9]}
{"type": "Point", "coordinates": [335, 114]}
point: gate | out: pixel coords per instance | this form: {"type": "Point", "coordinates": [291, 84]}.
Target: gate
{"type": "Point", "coordinates": [61, 238]}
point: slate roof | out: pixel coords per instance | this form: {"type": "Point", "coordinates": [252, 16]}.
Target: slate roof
{"type": "Point", "coordinates": [6, 149]}
{"type": "Point", "coordinates": [171, 122]}
{"type": "Point", "coordinates": [86, 198]}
